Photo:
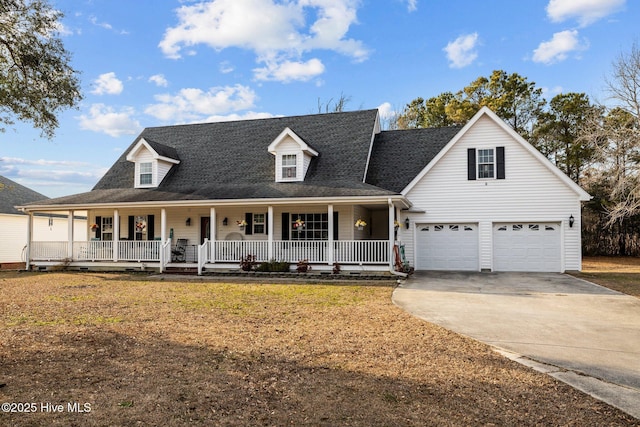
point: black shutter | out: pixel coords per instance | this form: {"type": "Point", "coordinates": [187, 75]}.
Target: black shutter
{"type": "Point", "coordinates": [248, 217]}
{"type": "Point", "coordinates": [335, 226]}
{"type": "Point", "coordinates": [285, 226]}
{"type": "Point", "coordinates": [150, 227]}
{"type": "Point", "coordinates": [132, 228]}
{"type": "Point", "coordinates": [266, 223]}
{"type": "Point", "coordinates": [471, 164]}
{"type": "Point", "coordinates": [500, 162]}
{"type": "Point", "coordinates": [99, 229]}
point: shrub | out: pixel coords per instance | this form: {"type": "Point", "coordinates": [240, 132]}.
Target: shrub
{"type": "Point", "coordinates": [274, 266]}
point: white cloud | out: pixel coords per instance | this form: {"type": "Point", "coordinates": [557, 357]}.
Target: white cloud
{"type": "Point", "coordinates": [288, 71]}
{"type": "Point", "coordinates": [461, 52]}
{"type": "Point", "coordinates": [249, 115]}
{"type": "Point", "coordinates": [108, 84]}
{"type": "Point", "coordinates": [105, 119]}
{"type": "Point", "coordinates": [386, 111]}
{"type": "Point", "coordinates": [159, 80]}
{"type": "Point", "coordinates": [558, 48]}
{"type": "Point", "coordinates": [274, 31]}
{"type": "Point", "coordinates": [192, 104]}
{"type": "Point", "coordinates": [585, 11]}
{"type": "Point", "coordinates": [226, 67]}
{"type": "Point", "coordinates": [412, 5]}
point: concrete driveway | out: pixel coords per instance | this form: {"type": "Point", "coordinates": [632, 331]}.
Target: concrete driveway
{"type": "Point", "coordinates": [580, 333]}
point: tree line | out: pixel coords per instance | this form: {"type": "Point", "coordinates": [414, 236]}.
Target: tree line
{"type": "Point", "coordinates": [596, 145]}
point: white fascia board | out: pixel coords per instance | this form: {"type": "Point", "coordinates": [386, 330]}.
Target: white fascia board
{"type": "Point", "coordinates": [583, 195]}
{"type": "Point", "coordinates": [288, 132]}
{"type": "Point", "coordinates": [131, 155]}
{"type": "Point", "coordinates": [399, 199]}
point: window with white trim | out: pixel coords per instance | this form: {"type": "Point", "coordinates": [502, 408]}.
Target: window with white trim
{"type": "Point", "coordinates": [289, 166]}
{"type": "Point", "coordinates": [309, 226]}
{"type": "Point", "coordinates": [258, 223]}
{"type": "Point", "coordinates": [146, 173]}
{"type": "Point", "coordinates": [486, 163]}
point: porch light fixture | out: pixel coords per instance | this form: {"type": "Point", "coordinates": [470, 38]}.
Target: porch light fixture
{"type": "Point", "coordinates": [225, 221]}
{"type": "Point", "coordinates": [406, 223]}
{"type": "Point", "coordinates": [571, 221]}
{"type": "Point", "coordinates": [188, 222]}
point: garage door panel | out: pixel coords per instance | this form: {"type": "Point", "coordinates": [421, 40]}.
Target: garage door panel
{"type": "Point", "coordinates": [447, 247]}
{"type": "Point", "coordinates": [526, 247]}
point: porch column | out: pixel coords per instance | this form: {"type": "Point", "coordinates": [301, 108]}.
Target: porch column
{"type": "Point", "coordinates": [270, 232]}
{"type": "Point", "coordinates": [163, 237]}
{"type": "Point", "coordinates": [212, 234]}
{"type": "Point", "coordinates": [27, 255]}
{"type": "Point", "coordinates": [70, 235]}
{"type": "Point", "coordinates": [116, 234]}
{"type": "Point", "coordinates": [330, 255]}
{"type": "Point", "coordinates": [391, 233]}
{"type": "Point", "coordinates": [163, 226]}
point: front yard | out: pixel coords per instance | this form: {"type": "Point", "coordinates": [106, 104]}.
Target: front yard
{"type": "Point", "coordinates": [143, 351]}
{"type": "Point", "coordinates": [618, 273]}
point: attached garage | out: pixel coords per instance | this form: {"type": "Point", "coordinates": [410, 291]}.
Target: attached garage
{"type": "Point", "coordinates": [447, 247]}
{"type": "Point", "coordinates": [527, 247]}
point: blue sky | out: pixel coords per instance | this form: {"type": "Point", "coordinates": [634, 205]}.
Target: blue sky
{"type": "Point", "coordinates": [147, 63]}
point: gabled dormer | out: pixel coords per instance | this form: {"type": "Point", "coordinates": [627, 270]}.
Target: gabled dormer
{"type": "Point", "coordinates": [152, 162]}
{"type": "Point", "coordinates": [293, 156]}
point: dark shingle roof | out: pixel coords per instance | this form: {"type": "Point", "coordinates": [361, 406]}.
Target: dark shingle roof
{"type": "Point", "coordinates": [13, 194]}
{"type": "Point", "coordinates": [230, 160]}
{"type": "Point", "coordinates": [163, 150]}
{"type": "Point", "coordinates": [399, 156]}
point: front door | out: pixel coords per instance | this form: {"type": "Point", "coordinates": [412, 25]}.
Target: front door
{"type": "Point", "coordinates": [205, 230]}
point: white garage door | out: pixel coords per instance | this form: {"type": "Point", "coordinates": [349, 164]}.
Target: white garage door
{"type": "Point", "coordinates": [447, 247]}
{"type": "Point", "coordinates": [526, 247]}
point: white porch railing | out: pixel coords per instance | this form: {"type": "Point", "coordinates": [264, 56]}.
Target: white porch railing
{"type": "Point", "coordinates": [139, 250]}
{"type": "Point", "coordinates": [233, 250]}
{"type": "Point", "coordinates": [49, 251]}
{"type": "Point", "coordinates": [203, 255]}
{"type": "Point", "coordinates": [294, 251]}
{"type": "Point", "coordinates": [93, 251]}
{"type": "Point", "coordinates": [165, 254]}
{"type": "Point", "coordinates": [361, 251]}
{"type": "Point", "coordinates": [344, 251]}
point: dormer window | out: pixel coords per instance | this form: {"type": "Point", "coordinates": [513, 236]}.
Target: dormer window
{"type": "Point", "coordinates": [146, 173]}
{"type": "Point", "coordinates": [152, 162]}
{"type": "Point", "coordinates": [289, 166]}
{"type": "Point", "coordinates": [292, 155]}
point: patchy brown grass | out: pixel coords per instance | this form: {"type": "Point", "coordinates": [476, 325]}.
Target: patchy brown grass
{"type": "Point", "coordinates": [618, 273]}
{"type": "Point", "coordinates": [167, 352]}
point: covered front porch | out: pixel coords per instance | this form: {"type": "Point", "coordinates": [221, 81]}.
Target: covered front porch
{"type": "Point", "coordinates": [356, 236]}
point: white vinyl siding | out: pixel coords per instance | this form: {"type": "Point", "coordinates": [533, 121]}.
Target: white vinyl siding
{"type": "Point", "coordinates": [14, 233]}
{"type": "Point", "coordinates": [530, 193]}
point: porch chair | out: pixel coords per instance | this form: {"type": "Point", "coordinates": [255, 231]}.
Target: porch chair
{"type": "Point", "coordinates": [178, 254]}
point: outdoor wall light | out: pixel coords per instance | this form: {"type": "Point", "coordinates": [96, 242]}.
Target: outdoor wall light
{"type": "Point", "coordinates": [225, 221]}
{"type": "Point", "coordinates": [406, 223]}
{"type": "Point", "coordinates": [571, 221]}
{"type": "Point", "coordinates": [188, 222]}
